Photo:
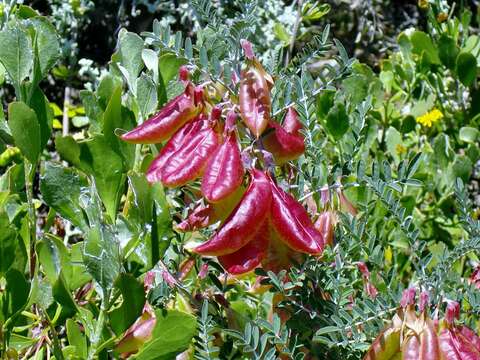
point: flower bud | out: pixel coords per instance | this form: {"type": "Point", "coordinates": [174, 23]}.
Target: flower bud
{"type": "Point", "coordinates": [183, 73]}
{"type": "Point", "coordinates": [202, 274]}
{"type": "Point", "coordinates": [346, 204]}
{"type": "Point", "coordinates": [149, 281]}
{"type": "Point", "coordinates": [168, 278]}
{"type": "Point", "coordinates": [199, 218]}
{"type": "Point", "coordinates": [216, 113]}
{"type": "Point", "coordinates": [363, 269]}
{"type": "Point", "coordinates": [325, 195]}
{"type": "Point", "coordinates": [424, 300]}
{"type": "Point", "coordinates": [371, 290]}
{"type": "Point", "coordinates": [231, 120]}
{"type": "Point", "coordinates": [475, 277]}
{"type": "Point", "coordinates": [408, 297]}
{"type": "Point", "coordinates": [247, 49]}
{"type": "Point", "coordinates": [198, 95]}
{"type": "Point", "coordinates": [452, 312]}
{"type": "Point", "coordinates": [185, 267]}
{"type": "Point", "coordinates": [325, 224]}
{"type": "Point", "coordinates": [235, 78]}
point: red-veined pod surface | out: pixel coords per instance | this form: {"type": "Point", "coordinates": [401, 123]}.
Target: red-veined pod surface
{"type": "Point", "coordinates": [224, 172]}
{"type": "Point", "coordinates": [168, 120]}
{"type": "Point", "coordinates": [245, 220]}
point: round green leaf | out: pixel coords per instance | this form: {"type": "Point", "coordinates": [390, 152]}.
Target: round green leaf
{"type": "Point", "coordinates": [25, 129]}
{"type": "Point", "coordinates": [462, 168]}
{"type": "Point", "coordinates": [47, 46]}
{"type": "Point", "coordinates": [447, 51]}
{"type": "Point", "coordinates": [423, 44]}
{"type": "Point", "coordinates": [8, 244]}
{"type": "Point", "coordinates": [16, 53]}
{"type": "Point", "coordinates": [337, 121]}
{"type": "Point", "coordinates": [408, 124]}
{"type": "Point", "coordinates": [146, 95]}
{"type": "Point", "coordinates": [169, 64]}
{"type": "Point", "coordinates": [466, 68]}
{"type": "Point", "coordinates": [469, 134]}
{"type": "Point", "coordinates": [60, 188]}
{"type": "Point", "coordinates": [130, 51]}
{"type": "Point", "coordinates": [325, 101]}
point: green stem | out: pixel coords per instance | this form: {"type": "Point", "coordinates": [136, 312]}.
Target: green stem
{"type": "Point", "coordinates": [136, 168]}
{"type": "Point", "coordinates": [385, 125]}
{"type": "Point", "coordinates": [97, 335]}
{"type": "Point", "coordinates": [138, 148]}
{"type": "Point", "coordinates": [57, 349]}
{"type": "Point", "coordinates": [32, 216]}
{"type": "Point", "coordinates": [107, 343]}
{"type": "Point", "coordinates": [138, 156]}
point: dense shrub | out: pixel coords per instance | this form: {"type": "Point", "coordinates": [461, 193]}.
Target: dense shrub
{"type": "Point", "coordinates": [239, 179]}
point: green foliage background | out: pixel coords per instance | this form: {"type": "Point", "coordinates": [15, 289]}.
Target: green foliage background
{"type": "Point", "coordinates": [80, 227]}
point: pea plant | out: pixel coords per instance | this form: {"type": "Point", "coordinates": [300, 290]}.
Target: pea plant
{"type": "Point", "coordinates": [224, 199]}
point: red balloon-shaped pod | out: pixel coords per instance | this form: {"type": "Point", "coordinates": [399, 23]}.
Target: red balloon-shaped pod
{"type": "Point", "coordinates": [292, 223]}
{"type": "Point", "coordinates": [279, 256]}
{"type": "Point", "coordinates": [185, 155]}
{"type": "Point", "coordinates": [417, 337]}
{"type": "Point", "coordinates": [285, 142]}
{"type": "Point", "coordinates": [254, 98]}
{"type": "Point", "coordinates": [469, 335]}
{"type": "Point", "coordinates": [411, 348]}
{"type": "Point", "coordinates": [189, 162]}
{"type": "Point", "coordinates": [224, 172]}
{"type": "Point", "coordinates": [244, 222]}
{"type": "Point", "coordinates": [180, 139]}
{"type": "Point", "coordinates": [208, 214]}
{"type": "Point", "coordinates": [429, 346]}
{"type": "Point", "coordinates": [169, 119]}
{"type": "Point", "coordinates": [459, 343]}
{"type": "Point", "coordinates": [249, 256]}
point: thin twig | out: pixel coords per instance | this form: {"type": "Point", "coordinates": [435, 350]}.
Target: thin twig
{"type": "Point", "coordinates": [66, 106]}
{"type": "Point", "coordinates": [32, 216]}
{"type": "Point", "coordinates": [296, 26]}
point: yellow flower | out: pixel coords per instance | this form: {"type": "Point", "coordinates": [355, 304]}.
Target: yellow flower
{"type": "Point", "coordinates": [388, 255]}
{"type": "Point", "coordinates": [400, 149]}
{"type": "Point", "coordinates": [442, 17]}
{"type": "Point", "coordinates": [430, 118]}
{"type": "Point", "coordinates": [423, 4]}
